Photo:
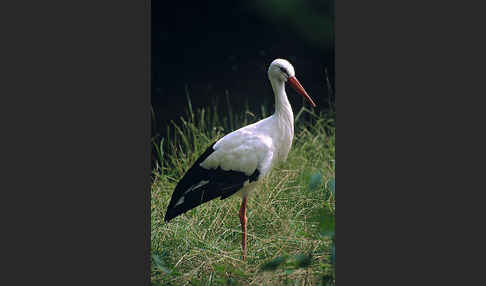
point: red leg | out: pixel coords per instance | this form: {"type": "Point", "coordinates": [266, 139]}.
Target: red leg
{"type": "Point", "coordinates": [243, 225]}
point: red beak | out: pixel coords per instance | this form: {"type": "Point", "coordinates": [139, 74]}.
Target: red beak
{"type": "Point", "coordinates": [298, 87]}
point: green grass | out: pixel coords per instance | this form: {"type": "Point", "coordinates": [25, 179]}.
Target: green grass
{"type": "Point", "coordinates": [286, 245]}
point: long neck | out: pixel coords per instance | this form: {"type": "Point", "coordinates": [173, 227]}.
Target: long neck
{"type": "Point", "coordinates": [282, 105]}
{"type": "Point", "coordinates": [284, 118]}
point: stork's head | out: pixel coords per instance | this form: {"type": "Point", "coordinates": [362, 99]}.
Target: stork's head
{"type": "Point", "coordinates": [282, 71]}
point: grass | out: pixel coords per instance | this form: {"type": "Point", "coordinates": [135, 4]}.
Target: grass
{"type": "Point", "coordinates": [286, 244]}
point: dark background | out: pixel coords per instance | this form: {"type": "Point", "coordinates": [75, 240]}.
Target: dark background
{"type": "Point", "coordinates": [218, 49]}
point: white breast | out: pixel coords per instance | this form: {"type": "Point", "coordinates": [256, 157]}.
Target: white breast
{"type": "Point", "coordinates": [255, 146]}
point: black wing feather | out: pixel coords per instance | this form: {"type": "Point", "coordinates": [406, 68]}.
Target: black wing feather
{"type": "Point", "coordinates": [221, 184]}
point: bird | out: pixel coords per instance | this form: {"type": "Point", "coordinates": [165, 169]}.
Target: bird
{"type": "Point", "coordinates": [237, 162]}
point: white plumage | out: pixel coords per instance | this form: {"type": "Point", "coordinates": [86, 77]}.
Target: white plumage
{"type": "Point", "coordinates": [238, 161]}
{"type": "Point", "coordinates": [256, 146]}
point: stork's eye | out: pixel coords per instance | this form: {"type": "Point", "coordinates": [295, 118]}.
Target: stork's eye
{"type": "Point", "coordinates": [284, 71]}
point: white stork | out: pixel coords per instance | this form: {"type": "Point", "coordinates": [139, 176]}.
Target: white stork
{"type": "Point", "coordinates": [238, 161]}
